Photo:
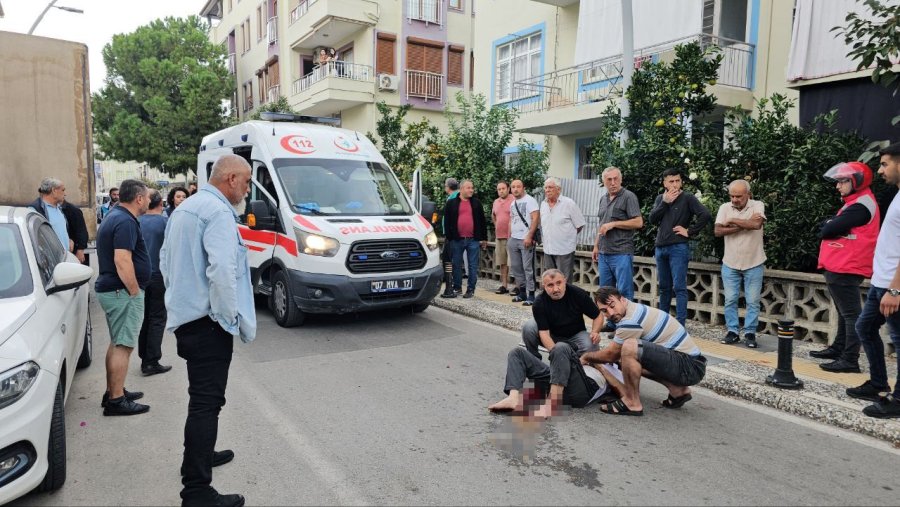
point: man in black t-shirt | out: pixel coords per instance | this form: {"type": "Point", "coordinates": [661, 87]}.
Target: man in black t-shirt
{"type": "Point", "coordinates": [125, 269]}
{"type": "Point", "coordinates": [558, 325]}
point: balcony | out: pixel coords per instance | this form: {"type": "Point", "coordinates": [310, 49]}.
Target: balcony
{"type": "Point", "coordinates": [232, 64]}
{"type": "Point", "coordinates": [429, 11]}
{"type": "Point", "coordinates": [333, 87]}
{"type": "Point", "coordinates": [424, 85]}
{"type": "Point", "coordinates": [315, 23]}
{"type": "Point", "coordinates": [545, 102]}
{"type": "Point", "coordinates": [273, 93]}
{"type": "Point", "coordinates": [558, 3]}
{"type": "Point", "coordinates": [272, 29]}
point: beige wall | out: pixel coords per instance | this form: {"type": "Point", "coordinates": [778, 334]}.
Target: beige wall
{"type": "Point", "coordinates": [773, 47]}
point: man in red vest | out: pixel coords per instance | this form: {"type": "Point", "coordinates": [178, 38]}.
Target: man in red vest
{"type": "Point", "coordinates": [846, 251]}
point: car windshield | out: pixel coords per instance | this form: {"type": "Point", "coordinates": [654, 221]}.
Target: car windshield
{"type": "Point", "coordinates": [341, 187]}
{"type": "Point", "coordinates": [15, 277]}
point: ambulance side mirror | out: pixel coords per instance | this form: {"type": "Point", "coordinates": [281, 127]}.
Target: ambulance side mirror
{"type": "Point", "coordinates": [259, 217]}
{"type": "Point", "coordinates": [428, 209]}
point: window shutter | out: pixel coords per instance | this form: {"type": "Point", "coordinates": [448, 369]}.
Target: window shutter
{"type": "Point", "coordinates": [455, 65]}
{"type": "Point", "coordinates": [434, 60]}
{"type": "Point", "coordinates": [415, 56]}
{"type": "Point", "coordinates": [384, 54]}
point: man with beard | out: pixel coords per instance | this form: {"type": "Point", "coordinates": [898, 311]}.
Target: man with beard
{"type": "Point", "coordinates": [209, 300]}
{"type": "Point", "coordinates": [559, 325]}
{"type": "Point", "coordinates": [650, 343]}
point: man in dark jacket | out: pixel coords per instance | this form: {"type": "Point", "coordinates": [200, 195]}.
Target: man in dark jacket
{"type": "Point", "coordinates": [680, 218]}
{"type": "Point", "coordinates": [51, 204]}
{"type": "Point", "coordinates": [465, 227]}
{"type": "Point", "coordinates": [78, 233]}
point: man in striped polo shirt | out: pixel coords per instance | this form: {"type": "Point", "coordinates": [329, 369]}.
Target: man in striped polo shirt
{"type": "Point", "coordinates": [647, 342]}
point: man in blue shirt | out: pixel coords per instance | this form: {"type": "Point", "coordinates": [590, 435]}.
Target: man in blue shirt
{"type": "Point", "coordinates": [209, 300]}
{"type": "Point", "coordinates": [49, 204]}
{"type": "Point", "coordinates": [124, 274]}
{"type": "Point", "coordinates": [109, 205]}
{"type": "Point", "coordinates": [153, 228]}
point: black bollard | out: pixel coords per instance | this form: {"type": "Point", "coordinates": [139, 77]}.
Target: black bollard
{"type": "Point", "coordinates": [784, 375]}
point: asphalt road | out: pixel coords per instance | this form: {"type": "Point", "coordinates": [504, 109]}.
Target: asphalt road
{"type": "Point", "coordinates": [390, 409]}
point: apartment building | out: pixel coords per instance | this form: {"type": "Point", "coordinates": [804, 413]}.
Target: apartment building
{"type": "Point", "coordinates": [559, 62]}
{"type": "Point", "coordinates": [339, 57]}
{"type": "Point", "coordinates": [826, 79]}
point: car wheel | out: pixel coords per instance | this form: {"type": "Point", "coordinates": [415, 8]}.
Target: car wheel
{"type": "Point", "coordinates": [282, 303]}
{"type": "Point", "coordinates": [421, 307]}
{"type": "Point", "coordinates": [87, 351]}
{"type": "Point", "coordinates": [56, 448]}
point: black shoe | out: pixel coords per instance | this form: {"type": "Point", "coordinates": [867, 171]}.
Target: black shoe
{"type": "Point", "coordinates": [217, 501]}
{"type": "Point", "coordinates": [517, 299]}
{"type": "Point", "coordinates": [219, 458]}
{"type": "Point", "coordinates": [885, 408]}
{"type": "Point", "coordinates": [731, 338]}
{"type": "Point", "coordinates": [866, 392]}
{"type": "Point", "coordinates": [128, 395]}
{"type": "Point", "coordinates": [449, 294]}
{"type": "Point", "coordinates": [469, 294]}
{"type": "Point", "coordinates": [124, 406]}
{"type": "Point", "coordinates": [840, 366]}
{"type": "Point", "coordinates": [529, 301]}
{"type": "Point", "coordinates": [514, 292]}
{"type": "Point", "coordinates": [501, 290]}
{"type": "Point", "coordinates": [154, 369]}
{"type": "Point", "coordinates": [826, 353]}
{"type": "Point", "coordinates": [750, 341]}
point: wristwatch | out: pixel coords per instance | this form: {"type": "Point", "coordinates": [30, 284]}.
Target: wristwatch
{"type": "Point", "coordinates": [894, 292]}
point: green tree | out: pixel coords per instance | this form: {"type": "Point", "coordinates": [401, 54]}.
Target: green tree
{"type": "Point", "coordinates": [281, 105]}
{"type": "Point", "coordinates": [164, 90]}
{"type": "Point", "coordinates": [402, 144]}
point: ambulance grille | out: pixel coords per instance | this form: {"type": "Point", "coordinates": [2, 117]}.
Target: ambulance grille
{"type": "Point", "coordinates": [386, 256]}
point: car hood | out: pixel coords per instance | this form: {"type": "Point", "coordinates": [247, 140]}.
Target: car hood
{"type": "Point", "coordinates": [13, 314]}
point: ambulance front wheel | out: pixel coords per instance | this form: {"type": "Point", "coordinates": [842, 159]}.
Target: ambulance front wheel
{"type": "Point", "coordinates": [282, 303]}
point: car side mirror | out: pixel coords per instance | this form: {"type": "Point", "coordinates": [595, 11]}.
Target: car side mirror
{"type": "Point", "coordinates": [428, 209]}
{"type": "Point", "coordinates": [259, 217]}
{"type": "Point", "coordinates": [69, 275]}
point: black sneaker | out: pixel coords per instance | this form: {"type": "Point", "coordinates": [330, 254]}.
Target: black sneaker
{"type": "Point", "coordinates": [731, 338]}
{"type": "Point", "coordinates": [448, 294]}
{"type": "Point", "coordinates": [457, 291]}
{"type": "Point", "coordinates": [866, 391]}
{"type": "Point", "coordinates": [219, 458]}
{"type": "Point", "coordinates": [501, 290]}
{"type": "Point", "coordinates": [216, 501]}
{"type": "Point", "coordinates": [885, 408]}
{"type": "Point", "coordinates": [469, 294]}
{"type": "Point", "coordinates": [528, 302]}
{"type": "Point", "coordinates": [129, 395]}
{"type": "Point", "coordinates": [124, 406]}
{"type": "Point", "coordinates": [154, 369]}
{"type": "Point", "coordinates": [750, 341]}
{"type": "Point", "coordinates": [826, 353]}
{"type": "Point", "coordinates": [840, 366]}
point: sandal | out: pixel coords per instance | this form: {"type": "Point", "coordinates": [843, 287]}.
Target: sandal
{"type": "Point", "coordinates": [672, 402]}
{"type": "Point", "coordinates": [618, 407]}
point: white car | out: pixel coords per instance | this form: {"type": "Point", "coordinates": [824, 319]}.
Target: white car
{"type": "Point", "coordinates": [45, 334]}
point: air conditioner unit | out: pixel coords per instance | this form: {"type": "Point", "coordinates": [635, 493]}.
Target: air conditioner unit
{"type": "Point", "coordinates": [388, 82]}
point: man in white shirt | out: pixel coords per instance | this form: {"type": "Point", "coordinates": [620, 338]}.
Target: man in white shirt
{"type": "Point", "coordinates": [524, 219]}
{"type": "Point", "coordinates": [561, 221]}
{"type": "Point", "coordinates": [883, 302]}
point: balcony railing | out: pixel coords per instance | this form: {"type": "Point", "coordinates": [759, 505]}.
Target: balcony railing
{"type": "Point", "coordinates": [429, 11]}
{"type": "Point", "coordinates": [232, 64]}
{"type": "Point", "coordinates": [273, 93]}
{"type": "Point", "coordinates": [601, 79]}
{"type": "Point", "coordinates": [337, 69]}
{"type": "Point", "coordinates": [426, 85]}
{"type": "Point", "coordinates": [272, 29]}
{"type": "Point", "coordinates": [301, 9]}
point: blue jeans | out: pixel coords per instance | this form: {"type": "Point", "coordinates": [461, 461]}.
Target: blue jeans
{"type": "Point", "coordinates": [868, 326]}
{"type": "Point", "coordinates": [470, 247]}
{"type": "Point", "coordinates": [616, 270]}
{"type": "Point", "coordinates": [671, 270]}
{"type": "Point", "coordinates": [731, 279]}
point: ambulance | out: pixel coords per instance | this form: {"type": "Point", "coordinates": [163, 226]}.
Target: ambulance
{"type": "Point", "coordinates": [328, 226]}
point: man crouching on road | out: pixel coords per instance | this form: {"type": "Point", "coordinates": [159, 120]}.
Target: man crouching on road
{"type": "Point", "coordinates": [650, 343]}
{"type": "Point", "coordinates": [558, 325]}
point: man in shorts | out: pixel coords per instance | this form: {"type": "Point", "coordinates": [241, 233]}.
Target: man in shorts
{"type": "Point", "coordinates": [650, 343]}
{"type": "Point", "coordinates": [124, 273]}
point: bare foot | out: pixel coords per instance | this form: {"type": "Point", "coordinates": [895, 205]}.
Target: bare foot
{"type": "Point", "coordinates": [508, 404]}
{"type": "Point", "coordinates": [545, 411]}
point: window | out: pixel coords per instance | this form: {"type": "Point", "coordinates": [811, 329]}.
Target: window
{"type": "Point", "coordinates": [455, 65]}
{"type": "Point", "coordinates": [517, 60]}
{"type": "Point", "coordinates": [229, 5]}
{"type": "Point", "coordinates": [385, 49]}
{"type": "Point", "coordinates": [455, 4]}
{"type": "Point", "coordinates": [725, 19]}
{"type": "Point", "coordinates": [261, 87]}
{"type": "Point", "coordinates": [49, 252]}
{"type": "Point", "coordinates": [15, 277]}
{"type": "Point", "coordinates": [428, 11]}
{"type": "Point", "coordinates": [248, 96]}
{"type": "Point", "coordinates": [424, 55]}
{"type": "Point", "coordinates": [246, 25]}
{"type": "Point", "coordinates": [585, 168]}
{"type": "Point", "coordinates": [260, 22]}
{"type": "Point", "coordinates": [471, 70]}
{"type": "Point", "coordinates": [510, 160]}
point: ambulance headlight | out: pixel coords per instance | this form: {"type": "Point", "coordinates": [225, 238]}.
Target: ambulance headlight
{"type": "Point", "coordinates": [313, 244]}
{"type": "Point", "coordinates": [431, 240]}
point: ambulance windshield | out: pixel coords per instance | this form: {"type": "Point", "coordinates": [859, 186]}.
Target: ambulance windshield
{"type": "Point", "coordinates": [341, 187]}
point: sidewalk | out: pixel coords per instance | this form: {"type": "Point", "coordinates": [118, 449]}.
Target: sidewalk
{"type": "Point", "coordinates": [733, 370]}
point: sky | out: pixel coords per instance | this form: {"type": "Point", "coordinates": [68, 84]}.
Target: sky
{"type": "Point", "coordinates": [101, 20]}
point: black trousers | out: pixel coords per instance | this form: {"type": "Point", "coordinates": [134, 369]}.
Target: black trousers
{"type": "Point", "coordinates": [150, 338]}
{"type": "Point", "coordinates": [844, 290]}
{"type": "Point", "coordinates": [207, 348]}
{"type": "Point", "coordinates": [564, 369]}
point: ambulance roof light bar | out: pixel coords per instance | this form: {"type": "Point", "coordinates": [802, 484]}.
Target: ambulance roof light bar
{"type": "Point", "coordinates": [298, 118]}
